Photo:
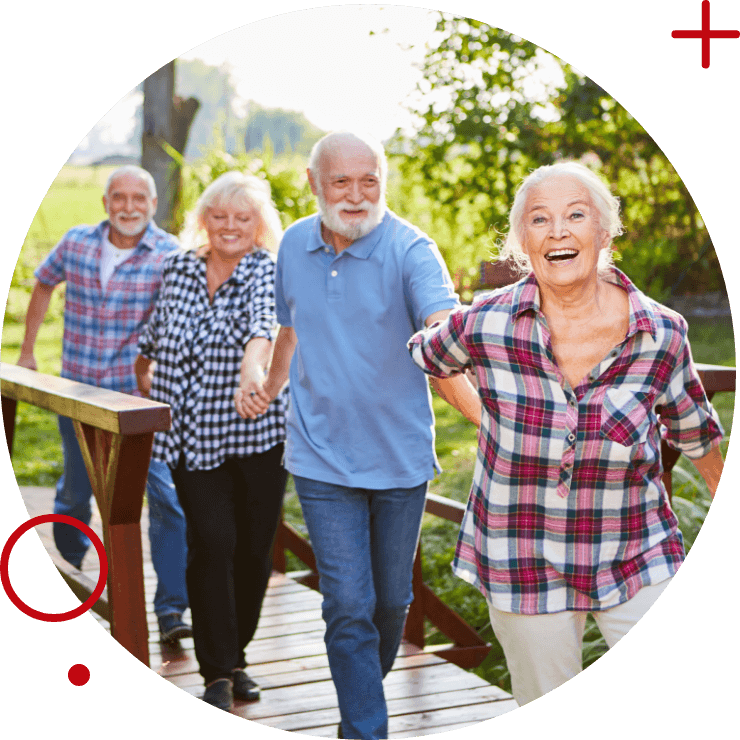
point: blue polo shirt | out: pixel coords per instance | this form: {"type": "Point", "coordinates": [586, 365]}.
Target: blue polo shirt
{"type": "Point", "coordinates": [360, 411]}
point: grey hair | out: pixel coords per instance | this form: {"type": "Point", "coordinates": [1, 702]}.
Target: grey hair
{"type": "Point", "coordinates": [326, 143]}
{"type": "Point", "coordinates": [606, 204]}
{"type": "Point", "coordinates": [136, 171]}
{"type": "Point", "coordinates": [241, 190]}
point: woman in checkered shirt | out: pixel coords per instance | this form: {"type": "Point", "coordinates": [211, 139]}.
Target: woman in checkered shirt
{"type": "Point", "coordinates": [580, 376]}
{"type": "Point", "coordinates": [215, 307]}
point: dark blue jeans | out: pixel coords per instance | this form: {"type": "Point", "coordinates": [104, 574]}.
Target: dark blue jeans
{"type": "Point", "coordinates": [365, 542]}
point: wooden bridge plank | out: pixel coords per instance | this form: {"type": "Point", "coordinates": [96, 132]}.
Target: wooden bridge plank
{"type": "Point", "coordinates": [426, 694]}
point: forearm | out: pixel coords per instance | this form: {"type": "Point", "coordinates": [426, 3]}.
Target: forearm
{"type": "Point", "coordinates": [256, 358]}
{"type": "Point", "coordinates": [710, 468]}
{"type": "Point", "coordinates": [285, 345]}
{"type": "Point", "coordinates": [37, 308]}
{"type": "Point", "coordinates": [255, 392]}
{"type": "Point", "coordinates": [459, 392]}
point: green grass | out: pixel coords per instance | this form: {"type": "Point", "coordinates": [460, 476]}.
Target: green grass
{"type": "Point", "coordinates": [75, 198]}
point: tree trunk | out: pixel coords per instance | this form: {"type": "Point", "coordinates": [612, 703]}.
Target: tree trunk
{"type": "Point", "coordinates": [167, 122]}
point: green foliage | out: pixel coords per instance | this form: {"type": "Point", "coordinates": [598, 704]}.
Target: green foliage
{"type": "Point", "coordinates": [502, 107]}
{"type": "Point", "coordinates": [75, 197]}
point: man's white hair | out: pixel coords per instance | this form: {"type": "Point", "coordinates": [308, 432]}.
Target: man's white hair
{"type": "Point", "coordinates": [335, 139]}
{"type": "Point", "coordinates": [136, 171]}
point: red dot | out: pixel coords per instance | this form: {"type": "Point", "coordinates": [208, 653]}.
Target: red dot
{"type": "Point", "coordinates": [79, 674]}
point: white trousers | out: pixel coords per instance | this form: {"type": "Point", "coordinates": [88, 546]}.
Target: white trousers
{"type": "Point", "coordinates": [543, 651]}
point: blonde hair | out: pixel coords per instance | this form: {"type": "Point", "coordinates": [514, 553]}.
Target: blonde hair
{"type": "Point", "coordinates": [606, 204]}
{"type": "Point", "coordinates": [241, 190]}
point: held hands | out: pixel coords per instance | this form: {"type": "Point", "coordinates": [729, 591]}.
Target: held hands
{"type": "Point", "coordinates": [251, 399]}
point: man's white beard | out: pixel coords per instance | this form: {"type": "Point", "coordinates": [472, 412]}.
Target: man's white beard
{"type": "Point", "coordinates": [129, 227]}
{"type": "Point", "coordinates": [332, 219]}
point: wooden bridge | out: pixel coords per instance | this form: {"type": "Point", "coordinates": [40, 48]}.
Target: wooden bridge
{"type": "Point", "coordinates": [427, 692]}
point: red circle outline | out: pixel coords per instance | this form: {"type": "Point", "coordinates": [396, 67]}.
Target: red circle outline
{"type": "Point", "coordinates": [30, 611]}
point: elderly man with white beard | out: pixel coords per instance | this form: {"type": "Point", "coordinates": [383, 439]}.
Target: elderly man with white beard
{"type": "Point", "coordinates": [112, 272]}
{"type": "Point", "coordinates": [353, 283]}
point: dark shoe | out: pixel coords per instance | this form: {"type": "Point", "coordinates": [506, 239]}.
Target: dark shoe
{"type": "Point", "coordinates": [172, 628]}
{"type": "Point", "coordinates": [219, 694]}
{"type": "Point", "coordinates": [245, 688]}
{"type": "Point", "coordinates": [339, 731]}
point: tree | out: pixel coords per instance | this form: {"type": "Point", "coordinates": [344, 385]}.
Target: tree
{"type": "Point", "coordinates": [167, 122]}
{"type": "Point", "coordinates": [502, 107]}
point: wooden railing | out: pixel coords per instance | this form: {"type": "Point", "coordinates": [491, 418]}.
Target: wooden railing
{"type": "Point", "coordinates": [115, 432]}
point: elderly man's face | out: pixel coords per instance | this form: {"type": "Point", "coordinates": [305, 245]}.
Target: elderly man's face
{"type": "Point", "coordinates": [129, 205]}
{"type": "Point", "coordinates": [349, 189]}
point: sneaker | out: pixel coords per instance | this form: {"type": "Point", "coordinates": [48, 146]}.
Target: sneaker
{"type": "Point", "coordinates": [219, 694]}
{"type": "Point", "coordinates": [172, 628]}
{"type": "Point", "coordinates": [244, 687]}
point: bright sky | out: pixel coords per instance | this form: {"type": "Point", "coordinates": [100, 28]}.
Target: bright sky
{"type": "Point", "coordinates": [342, 66]}
{"type": "Point", "coordinates": [325, 63]}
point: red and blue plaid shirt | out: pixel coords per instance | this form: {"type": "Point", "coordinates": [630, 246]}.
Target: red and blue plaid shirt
{"type": "Point", "coordinates": [101, 327]}
{"type": "Point", "coordinates": [567, 509]}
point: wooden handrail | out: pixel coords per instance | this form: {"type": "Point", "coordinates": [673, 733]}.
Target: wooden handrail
{"type": "Point", "coordinates": [115, 432]}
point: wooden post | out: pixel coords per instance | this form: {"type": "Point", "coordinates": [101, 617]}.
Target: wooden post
{"type": "Point", "coordinates": [115, 432]}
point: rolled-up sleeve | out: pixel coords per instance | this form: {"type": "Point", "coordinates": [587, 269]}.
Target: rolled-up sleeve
{"type": "Point", "coordinates": [262, 321]}
{"type": "Point", "coordinates": [51, 271]}
{"type": "Point", "coordinates": [690, 422]}
{"type": "Point", "coordinates": [440, 350]}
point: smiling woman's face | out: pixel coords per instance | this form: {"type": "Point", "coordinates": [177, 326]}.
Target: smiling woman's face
{"type": "Point", "coordinates": [562, 234]}
{"type": "Point", "coordinates": [231, 229]}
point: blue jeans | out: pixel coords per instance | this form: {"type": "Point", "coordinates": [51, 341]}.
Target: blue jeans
{"type": "Point", "coordinates": [365, 542]}
{"type": "Point", "coordinates": [166, 522]}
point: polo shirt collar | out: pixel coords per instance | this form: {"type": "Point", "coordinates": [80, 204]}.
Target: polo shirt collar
{"type": "Point", "coordinates": [361, 248]}
{"type": "Point", "coordinates": [526, 297]}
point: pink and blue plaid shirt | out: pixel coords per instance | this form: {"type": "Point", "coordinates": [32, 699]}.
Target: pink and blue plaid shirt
{"type": "Point", "coordinates": [567, 509]}
{"type": "Point", "coordinates": [102, 327]}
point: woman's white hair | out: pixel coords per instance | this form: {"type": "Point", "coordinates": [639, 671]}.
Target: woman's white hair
{"type": "Point", "coordinates": [243, 191]}
{"type": "Point", "coordinates": [606, 204]}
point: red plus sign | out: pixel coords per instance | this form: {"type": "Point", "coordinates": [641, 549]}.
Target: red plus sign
{"type": "Point", "coordinates": [705, 34]}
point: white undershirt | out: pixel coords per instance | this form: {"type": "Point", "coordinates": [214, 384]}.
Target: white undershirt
{"type": "Point", "coordinates": [110, 258]}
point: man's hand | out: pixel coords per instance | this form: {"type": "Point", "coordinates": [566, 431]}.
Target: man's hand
{"type": "Point", "coordinates": [27, 360]}
{"type": "Point", "coordinates": [144, 370]}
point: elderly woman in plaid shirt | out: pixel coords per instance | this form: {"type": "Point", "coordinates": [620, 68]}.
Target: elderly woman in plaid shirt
{"type": "Point", "coordinates": [215, 307]}
{"type": "Point", "coordinates": [580, 376]}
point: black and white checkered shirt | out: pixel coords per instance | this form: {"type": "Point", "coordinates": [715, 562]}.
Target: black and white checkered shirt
{"type": "Point", "coordinates": [198, 347]}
